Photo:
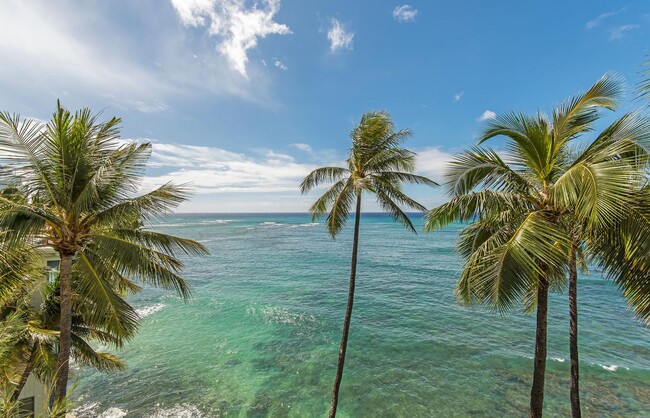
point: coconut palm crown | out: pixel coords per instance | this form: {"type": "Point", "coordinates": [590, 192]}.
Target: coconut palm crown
{"type": "Point", "coordinates": [376, 164]}
{"type": "Point", "coordinates": [80, 183]}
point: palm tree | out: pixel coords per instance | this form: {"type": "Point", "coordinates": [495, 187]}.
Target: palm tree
{"type": "Point", "coordinates": [80, 183]}
{"type": "Point", "coordinates": [376, 164]}
{"type": "Point", "coordinates": [29, 337]}
{"type": "Point", "coordinates": [518, 247]}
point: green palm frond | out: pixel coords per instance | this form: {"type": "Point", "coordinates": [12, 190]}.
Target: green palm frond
{"type": "Point", "coordinates": [340, 208]}
{"type": "Point", "coordinates": [146, 208]}
{"type": "Point", "coordinates": [139, 262]}
{"type": "Point", "coordinates": [482, 167]}
{"type": "Point", "coordinates": [475, 206]}
{"type": "Point", "coordinates": [85, 355]}
{"type": "Point", "coordinates": [322, 175]}
{"type": "Point", "coordinates": [114, 178]}
{"type": "Point", "coordinates": [394, 210]}
{"type": "Point", "coordinates": [578, 113]}
{"type": "Point", "coordinates": [507, 265]}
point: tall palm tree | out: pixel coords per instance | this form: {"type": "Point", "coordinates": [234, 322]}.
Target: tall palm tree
{"type": "Point", "coordinates": [518, 247]}
{"type": "Point", "coordinates": [377, 164]}
{"type": "Point", "coordinates": [81, 182]}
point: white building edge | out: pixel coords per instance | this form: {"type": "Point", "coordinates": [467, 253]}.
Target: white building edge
{"type": "Point", "coordinates": [33, 398]}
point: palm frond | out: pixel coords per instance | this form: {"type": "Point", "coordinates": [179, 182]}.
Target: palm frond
{"type": "Point", "coordinates": [474, 206]}
{"type": "Point", "coordinates": [340, 208]}
{"type": "Point", "coordinates": [578, 113]}
{"type": "Point", "coordinates": [483, 167]}
{"type": "Point", "coordinates": [322, 175]}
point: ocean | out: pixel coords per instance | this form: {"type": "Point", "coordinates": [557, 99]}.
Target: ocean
{"type": "Point", "coordinates": [260, 336]}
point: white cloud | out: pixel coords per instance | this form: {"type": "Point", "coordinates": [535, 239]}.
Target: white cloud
{"type": "Point", "coordinates": [211, 170]}
{"type": "Point", "coordinates": [279, 64]}
{"type": "Point", "coordinates": [432, 162]}
{"type": "Point", "coordinates": [405, 13]}
{"type": "Point", "coordinates": [618, 33]}
{"type": "Point", "coordinates": [114, 66]}
{"type": "Point", "coordinates": [236, 27]}
{"type": "Point", "coordinates": [600, 18]}
{"type": "Point", "coordinates": [302, 147]}
{"type": "Point", "coordinates": [458, 96]}
{"type": "Point", "coordinates": [46, 48]}
{"type": "Point", "coordinates": [339, 37]}
{"type": "Point", "coordinates": [488, 114]}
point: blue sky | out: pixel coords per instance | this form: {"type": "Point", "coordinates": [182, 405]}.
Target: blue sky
{"type": "Point", "coordinates": [242, 99]}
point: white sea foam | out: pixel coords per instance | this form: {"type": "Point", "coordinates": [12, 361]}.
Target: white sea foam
{"type": "Point", "coordinates": [218, 221]}
{"type": "Point", "coordinates": [112, 413]}
{"type": "Point", "coordinates": [270, 223]}
{"type": "Point", "coordinates": [310, 224]}
{"type": "Point", "coordinates": [560, 359]}
{"type": "Point", "coordinates": [86, 410]}
{"type": "Point", "coordinates": [148, 310]}
{"type": "Point", "coordinates": [278, 315]}
{"type": "Point", "coordinates": [177, 411]}
{"type": "Point", "coordinates": [612, 367]}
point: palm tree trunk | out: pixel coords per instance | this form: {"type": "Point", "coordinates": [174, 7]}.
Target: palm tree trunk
{"type": "Point", "coordinates": [348, 311]}
{"type": "Point", "coordinates": [22, 381]}
{"type": "Point", "coordinates": [573, 331]}
{"type": "Point", "coordinates": [537, 392]}
{"type": "Point", "coordinates": [65, 328]}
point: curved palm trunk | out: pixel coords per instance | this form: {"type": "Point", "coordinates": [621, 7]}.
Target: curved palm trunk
{"type": "Point", "coordinates": [22, 381]}
{"type": "Point", "coordinates": [65, 329]}
{"type": "Point", "coordinates": [348, 312]}
{"type": "Point", "coordinates": [539, 373]}
{"type": "Point", "coordinates": [573, 331]}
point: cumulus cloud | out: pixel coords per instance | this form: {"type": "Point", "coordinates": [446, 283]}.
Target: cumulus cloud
{"type": "Point", "coordinates": [600, 18]}
{"type": "Point", "coordinates": [618, 33]}
{"type": "Point", "coordinates": [279, 64]}
{"type": "Point", "coordinates": [236, 27]}
{"type": "Point", "coordinates": [339, 37]}
{"type": "Point", "coordinates": [488, 114]}
{"type": "Point", "coordinates": [405, 13]}
{"type": "Point", "coordinates": [432, 162]}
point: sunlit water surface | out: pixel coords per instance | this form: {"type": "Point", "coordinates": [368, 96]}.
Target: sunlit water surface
{"type": "Point", "coordinates": [260, 336]}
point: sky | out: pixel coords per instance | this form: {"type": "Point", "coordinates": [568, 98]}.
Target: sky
{"type": "Point", "coordinates": [242, 99]}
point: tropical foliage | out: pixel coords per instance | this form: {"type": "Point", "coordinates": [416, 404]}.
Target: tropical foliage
{"type": "Point", "coordinates": [523, 205]}
{"type": "Point", "coordinates": [80, 183]}
{"type": "Point", "coordinates": [377, 164]}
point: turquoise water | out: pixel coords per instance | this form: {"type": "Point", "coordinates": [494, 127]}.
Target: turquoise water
{"type": "Point", "coordinates": [260, 336]}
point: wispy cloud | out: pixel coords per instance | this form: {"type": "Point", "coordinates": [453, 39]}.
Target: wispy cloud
{"type": "Point", "coordinates": [339, 36]}
{"type": "Point", "coordinates": [46, 47]}
{"type": "Point", "coordinates": [458, 96]}
{"type": "Point", "coordinates": [112, 67]}
{"type": "Point", "coordinates": [279, 64]}
{"type": "Point", "coordinates": [302, 147]}
{"type": "Point", "coordinates": [236, 27]}
{"type": "Point", "coordinates": [215, 170]}
{"type": "Point", "coordinates": [600, 18]}
{"type": "Point", "coordinates": [618, 33]}
{"type": "Point", "coordinates": [488, 114]}
{"type": "Point", "coordinates": [405, 13]}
